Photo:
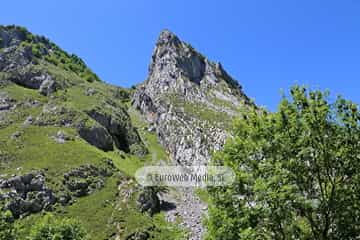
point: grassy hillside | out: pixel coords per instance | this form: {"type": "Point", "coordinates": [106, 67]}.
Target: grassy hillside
{"type": "Point", "coordinates": [42, 134]}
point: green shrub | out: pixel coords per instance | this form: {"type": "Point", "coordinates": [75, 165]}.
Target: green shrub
{"type": "Point", "coordinates": [7, 230]}
{"type": "Point", "coordinates": [59, 229]}
{"type": "Point", "coordinates": [297, 172]}
{"type": "Point", "coordinates": [35, 49]}
{"type": "Point", "coordinates": [52, 59]}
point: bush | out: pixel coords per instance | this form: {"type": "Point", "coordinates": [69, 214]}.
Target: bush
{"type": "Point", "coordinates": [51, 228]}
{"type": "Point", "coordinates": [297, 173]}
{"type": "Point", "coordinates": [7, 230]}
{"type": "Point", "coordinates": [35, 49]}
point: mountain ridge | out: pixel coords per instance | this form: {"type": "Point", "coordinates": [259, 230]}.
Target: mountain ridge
{"type": "Point", "coordinates": [80, 140]}
{"type": "Point", "coordinates": [190, 102]}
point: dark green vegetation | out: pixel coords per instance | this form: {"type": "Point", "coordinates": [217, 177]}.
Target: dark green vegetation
{"type": "Point", "coordinates": [202, 112]}
{"type": "Point", "coordinates": [297, 173]}
{"type": "Point", "coordinates": [7, 229]}
{"type": "Point", "coordinates": [46, 135]}
{"type": "Point", "coordinates": [43, 49]}
{"type": "Point", "coordinates": [51, 228]}
{"type": "Point", "coordinates": [71, 144]}
{"type": "Point", "coordinates": [48, 228]}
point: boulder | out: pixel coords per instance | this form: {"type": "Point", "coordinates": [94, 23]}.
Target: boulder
{"type": "Point", "coordinates": [17, 206]}
{"type": "Point", "coordinates": [37, 183]}
{"type": "Point", "coordinates": [77, 185]}
{"type": "Point", "coordinates": [17, 184]}
{"type": "Point", "coordinates": [97, 136]}
{"type": "Point", "coordinates": [64, 198]}
{"type": "Point", "coordinates": [27, 194]}
{"type": "Point", "coordinates": [117, 123]}
{"type": "Point", "coordinates": [61, 137]}
{"type": "Point", "coordinates": [48, 86]}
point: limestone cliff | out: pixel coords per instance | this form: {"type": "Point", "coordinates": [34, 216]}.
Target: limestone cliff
{"type": "Point", "coordinates": [191, 103]}
{"type": "Point", "coordinates": [189, 99]}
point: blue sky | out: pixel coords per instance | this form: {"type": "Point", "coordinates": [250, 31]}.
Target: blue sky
{"type": "Point", "coordinates": [265, 45]}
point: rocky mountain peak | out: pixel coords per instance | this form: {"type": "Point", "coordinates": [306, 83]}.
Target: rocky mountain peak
{"type": "Point", "coordinates": [191, 102]}
{"type": "Point", "coordinates": [189, 99]}
{"type": "Point", "coordinates": [176, 59]}
{"type": "Point", "coordinates": [176, 67]}
{"type": "Point", "coordinates": [167, 37]}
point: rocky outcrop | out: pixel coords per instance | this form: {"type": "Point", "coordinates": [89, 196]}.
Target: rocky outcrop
{"type": "Point", "coordinates": [86, 179]}
{"type": "Point", "coordinates": [18, 61]}
{"type": "Point", "coordinates": [56, 115]}
{"type": "Point", "coordinates": [62, 137]}
{"type": "Point", "coordinates": [117, 123]}
{"type": "Point", "coordinates": [27, 194]}
{"type": "Point", "coordinates": [190, 101]}
{"type": "Point", "coordinates": [97, 136]}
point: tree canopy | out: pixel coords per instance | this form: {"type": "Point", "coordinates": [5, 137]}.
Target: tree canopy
{"type": "Point", "coordinates": [297, 172]}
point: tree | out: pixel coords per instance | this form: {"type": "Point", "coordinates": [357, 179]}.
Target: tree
{"type": "Point", "coordinates": [57, 229]}
{"type": "Point", "coordinates": [7, 230]}
{"type": "Point", "coordinates": [297, 173]}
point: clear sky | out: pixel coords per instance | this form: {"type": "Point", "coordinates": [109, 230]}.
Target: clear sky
{"type": "Point", "coordinates": [265, 45]}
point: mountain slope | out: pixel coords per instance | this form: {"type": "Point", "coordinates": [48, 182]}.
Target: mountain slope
{"type": "Point", "coordinates": [68, 144]}
{"type": "Point", "coordinates": [190, 102]}
{"type": "Point", "coordinates": [186, 89]}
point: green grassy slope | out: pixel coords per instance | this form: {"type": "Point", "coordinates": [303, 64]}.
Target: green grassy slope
{"type": "Point", "coordinates": [28, 147]}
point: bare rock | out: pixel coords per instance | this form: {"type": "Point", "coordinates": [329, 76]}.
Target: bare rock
{"type": "Point", "coordinates": [97, 136]}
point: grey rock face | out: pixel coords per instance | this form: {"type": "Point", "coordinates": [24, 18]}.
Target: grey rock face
{"type": "Point", "coordinates": [6, 103]}
{"type": "Point", "coordinates": [18, 61]}
{"type": "Point", "coordinates": [55, 115]}
{"type": "Point", "coordinates": [85, 179]}
{"type": "Point", "coordinates": [181, 80]}
{"type": "Point", "coordinates": [11, 36]}
{"type": "Point", "coordinates": [28, 194]}
{"type": "Point", "coordinates": [61, 137]}
{"type": "Point", "coordinates": [190, 101]}
{"type": "Point", "coordinates": [47, 86]}
{"type": "Point", "coordinates": [97, 136]}
{"type": "Point", "coordinates": [116, 122]}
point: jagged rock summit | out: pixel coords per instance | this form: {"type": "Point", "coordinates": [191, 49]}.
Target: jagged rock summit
{"type": "Point", "coordinates": [65, 134]}
{"type": "Point", "coordinates": [191, 102]}
{"type": "Point", "coordinates": [189, 99]}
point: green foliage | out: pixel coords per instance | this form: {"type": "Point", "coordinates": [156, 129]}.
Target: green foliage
{"type": "Point", "coordinates": [297, 173]}
{"type": "Point", "coordinates": [52, 228]}
{"type": "Point", "coordinates": [36, 50]}
{"type": "Point", "coordinates": [90, 77]}
{"type": "Point", "coordinates": [122, 94]}
{"type": "Point", "coordinates": [43, 49]}
{"type": "Point", "coordinates": [7, 230]}
{"type": "Point", "coordinates": [157, 190]}
{"type": "Point", "coordinates": [52, 59]}
{"type": "Point", "coordinates": [202, 194]}
{"type": "Point", "coordinates": [200, 111]}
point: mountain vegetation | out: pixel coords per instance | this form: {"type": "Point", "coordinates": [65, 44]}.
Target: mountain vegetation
{"type": "Point", "coordinates": [297, 172]}
{"type": "Point", "coordinates": [70, 145]}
